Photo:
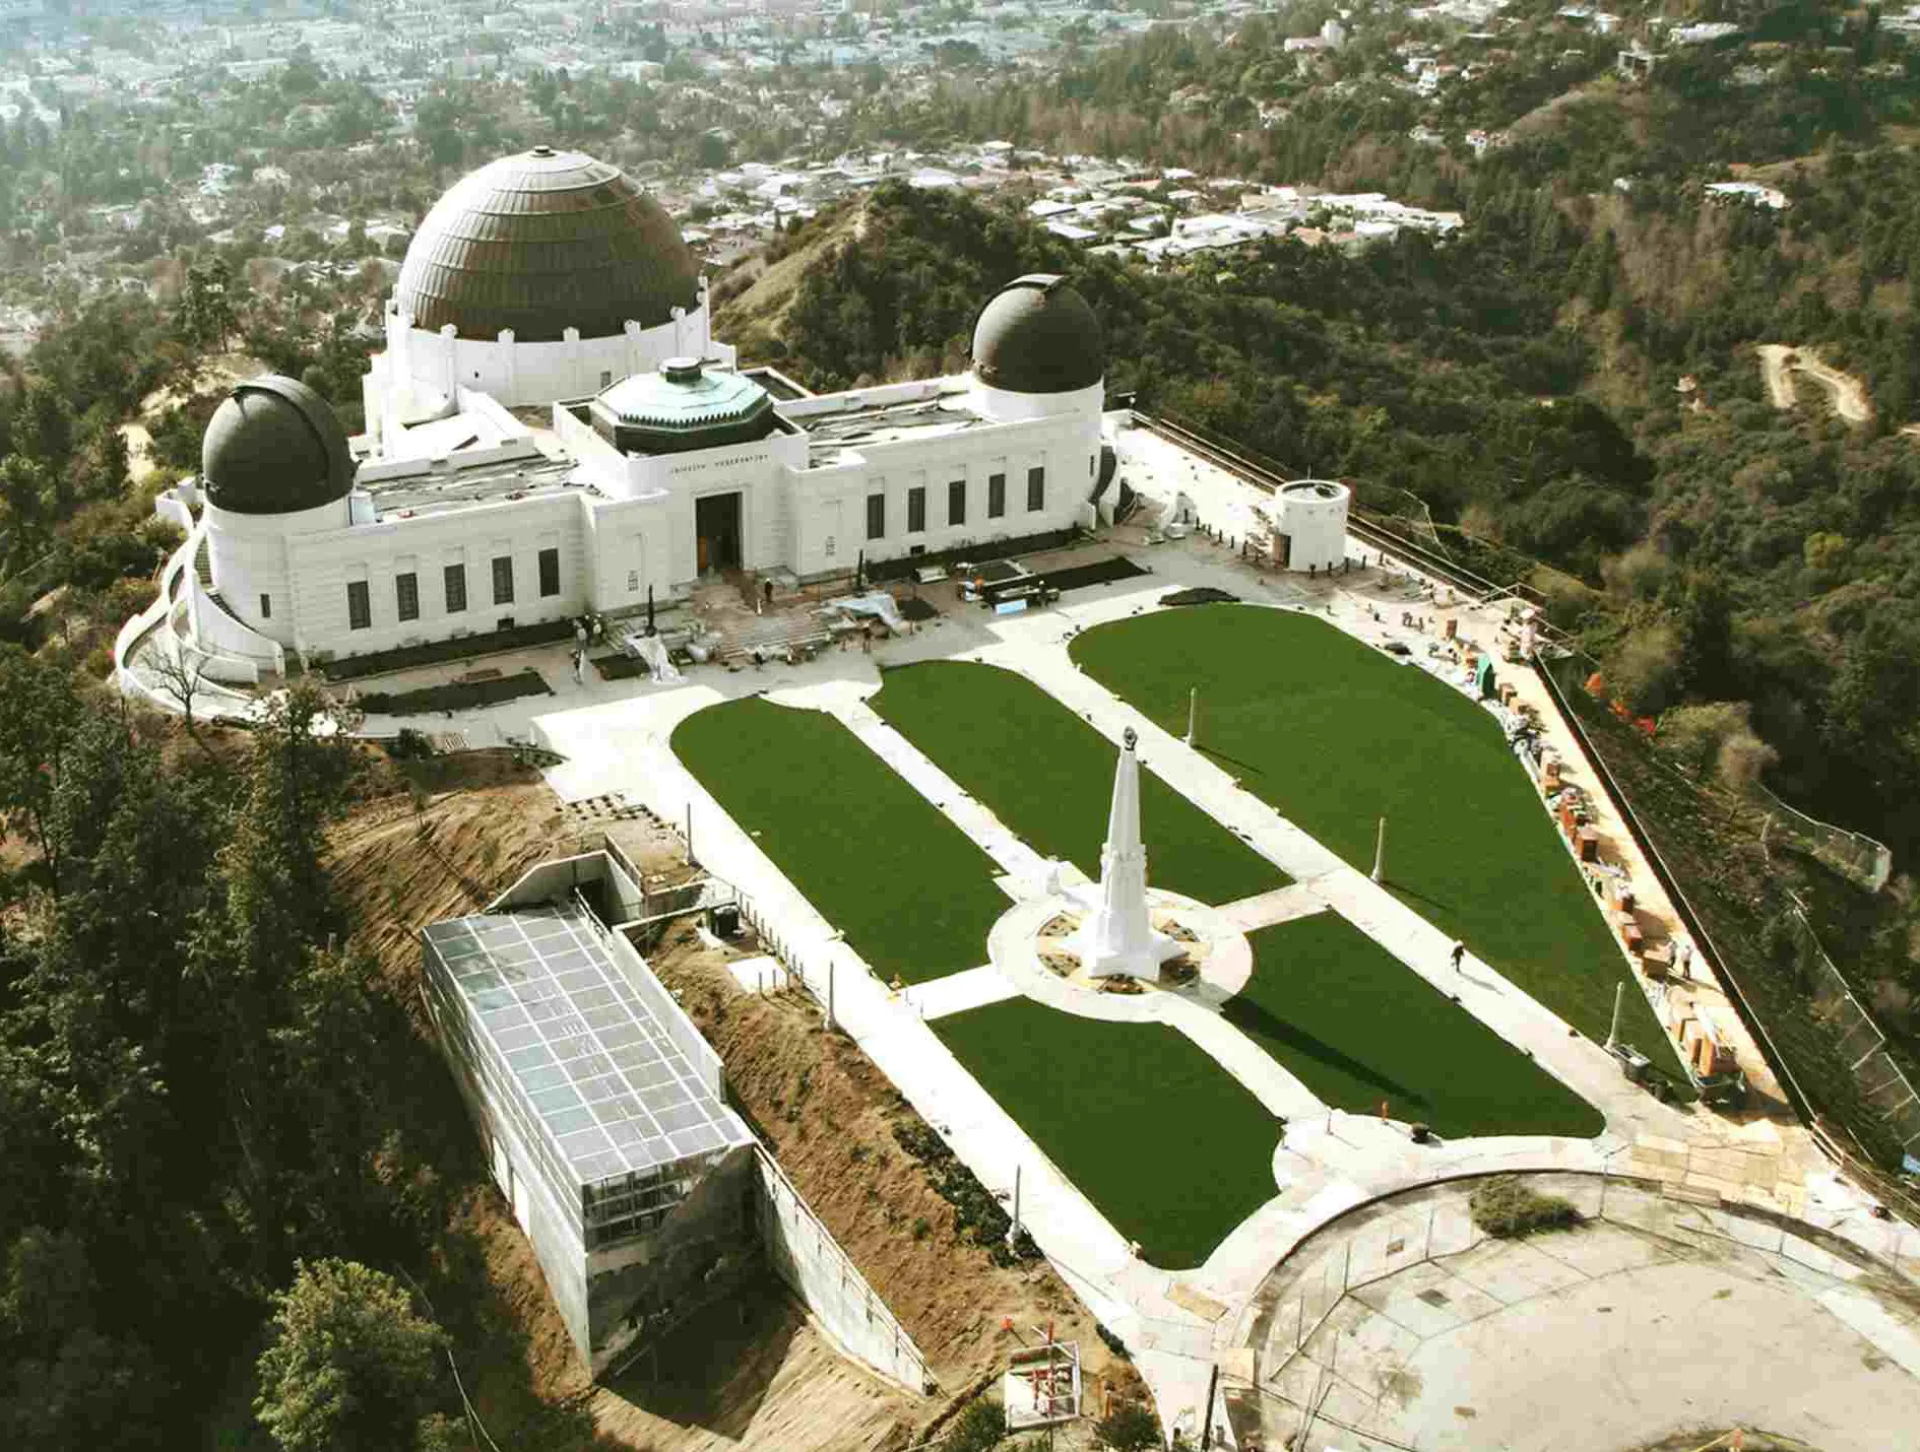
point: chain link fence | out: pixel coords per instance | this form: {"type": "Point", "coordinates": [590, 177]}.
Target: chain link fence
{"type": "Point", "coordinates": [1284, 1388]}
{"type": "Point", "coordinates": [1882, 1082]}
{"type": "Point", "coordinates": [1853, 855]}
{"type": "Point", "coordinates": [1833, 1061]}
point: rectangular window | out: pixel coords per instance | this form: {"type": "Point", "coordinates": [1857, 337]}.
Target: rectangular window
{"type": "Point", "coordinates": [996, 495]}
{"type": "Point", "coordinates": [359, 607]}
{"type": "Point", "coordinates": [1036, 489]}
{"type": "Point", "coordinates": [876, 516]}
{"type": "Point", "coordinates": [957, 502]}
{"type": "Point", "coordinates": [916, 510]}
{"type": "Point", "coordinates": [266, 607]}
{"type": "Point", "coordinates": [503, 579]}
{"type": "Point", "coordinates": [549, 572]}
{"type": "Point", "coordinates": [406, 595]}
{"type": "Point", "coordinates": [456, 578]}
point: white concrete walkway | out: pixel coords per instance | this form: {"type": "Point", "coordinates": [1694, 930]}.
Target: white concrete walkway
{"type": "Point", "coordinates": [958, 992]}
{"type": "Point", "coordinates": [622, 745]}
{"type": "Point", "coordinates": [614, 737]}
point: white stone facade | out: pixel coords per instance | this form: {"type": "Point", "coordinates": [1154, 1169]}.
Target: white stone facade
{"type": "Point", "coordinates": [358, 575]}
{"type": "Point", "coordinates": [1310, 518]}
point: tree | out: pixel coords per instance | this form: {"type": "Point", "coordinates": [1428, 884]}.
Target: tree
{"type": "Point", "coordinates": [69, 1384]}
{"type": "Point", "coordinates": [181, 677]}
{"type": "Point", "coordinates": [44, 428]}
{"type": "Point", "coordinates": [1130, 1427]}
{"type": "Point", "coordinates": [27, 511]}
{"type": "Point", "coordinates": [352, 1368]}
{"type": "Point", "coordinates": [206, 315]}
{"type": "Point", "coordinates": [980, 1428]}
{"type": "Point", "coordinates": [36, 730]}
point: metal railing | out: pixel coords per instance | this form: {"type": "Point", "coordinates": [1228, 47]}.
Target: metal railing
{"type": "Point", "coordinates": [1879, 1080]}
{"type": "Point", "coordinates": [1852, 854]}
{"type": "Point", "coordinates": [1399, 1237]}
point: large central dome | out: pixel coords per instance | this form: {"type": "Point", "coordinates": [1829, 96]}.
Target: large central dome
{"type": "Point", "coordinates": [542, 242]}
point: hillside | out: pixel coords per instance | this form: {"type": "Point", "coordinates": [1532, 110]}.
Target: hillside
{"type": "Point", "coordinates": [1748, 575]}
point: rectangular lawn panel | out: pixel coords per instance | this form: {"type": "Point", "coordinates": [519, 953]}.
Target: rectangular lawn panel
{"type": "Point", "coordinates": [1359, 1027]}
{"type": "Point", "coordinates": [1336, 735]}
{"type": "Point", "coordinates": [1167, 1144]}
{"type": "Point", "coordinates": [1049, 776]}
{"type": "Point", "coordinates": [913, 894]}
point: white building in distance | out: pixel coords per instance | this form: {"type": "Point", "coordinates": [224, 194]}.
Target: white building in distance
{"type": "Point", "coordinates": [553, 430]}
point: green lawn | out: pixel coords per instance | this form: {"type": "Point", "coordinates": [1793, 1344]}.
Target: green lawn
{"type": "Point", "coordinates": [1049, 776]}
{"type": "Point", "coordinates": [1357, 1028]}
{"type": "Point", "coordinates": [1335, 735]}
{"type": "Point", "coordinates": [914, 896]}
{"type": "Point", "coordinates": [1166, 1143]}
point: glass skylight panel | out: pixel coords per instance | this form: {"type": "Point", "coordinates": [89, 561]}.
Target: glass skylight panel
{"type": "Point", "coordinates": [612, 1092]}
{"type": "Point", "coordinates": [566, 1121]}
{"type": "Point", "coordinates": [556, 1099]}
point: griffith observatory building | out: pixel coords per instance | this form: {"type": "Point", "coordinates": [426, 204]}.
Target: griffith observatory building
{"type": "Point", "coordinates": [552, 429]}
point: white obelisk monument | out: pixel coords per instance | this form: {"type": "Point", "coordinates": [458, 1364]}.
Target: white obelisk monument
{"type": "Point", "coordinates": [1116, 938]}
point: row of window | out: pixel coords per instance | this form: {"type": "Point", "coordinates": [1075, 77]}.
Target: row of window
{"type": "Point", "coordinates": [956, 503]}
{"type": "Point", "coordinates": [406, 590]}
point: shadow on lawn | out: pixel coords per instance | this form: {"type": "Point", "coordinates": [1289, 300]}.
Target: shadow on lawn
{"type": "Point", "coordinates": [1400, 889]}
{"type": "Point", "coordinates": [1246, 768]}
{"type": "Point", "coordinates": [1255, 1020]}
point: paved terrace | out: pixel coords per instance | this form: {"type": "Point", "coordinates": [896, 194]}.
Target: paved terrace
{"type": "Point", "coordinates": [613, 736]}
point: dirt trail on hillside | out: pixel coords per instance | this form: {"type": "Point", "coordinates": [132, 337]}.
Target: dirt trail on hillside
{"type": "Point", "coordinates": [222, 371]}
{"type": "Point", "coordinates": [1773, 368]}
{"type": "Point", "coordinates": [1846, 394]}
{"type": "Point", "coordinates": [442, 838]}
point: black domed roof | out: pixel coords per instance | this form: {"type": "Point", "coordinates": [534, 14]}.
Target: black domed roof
{"type": "Point", "coordinates": [274, 447]}
{"type": "Point", "coordinates": [542, 242]}
{"type": "Point", "coordinates": [1038, 336]}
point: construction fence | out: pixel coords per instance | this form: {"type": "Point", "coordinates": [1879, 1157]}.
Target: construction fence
{"type": "Point", "coordinates": [1880, 1083]}
{"type": "Point", "coordinates": [1276, 1382]}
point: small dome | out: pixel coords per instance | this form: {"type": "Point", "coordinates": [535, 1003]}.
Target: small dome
{"type": "Point", "coordinates": [683, 407]}
{"type": "Point", "coordinates": [274, 447]}
{"type": "Point", "coordinates": [542, 242]}
{"type": "Point", "coordinates": [1038, 336]}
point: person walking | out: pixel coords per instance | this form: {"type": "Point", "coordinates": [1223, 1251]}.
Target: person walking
{"type": "Point", "coordinates": [580, 666]}
{"type": "Point", "coordinates": [1459, 952]}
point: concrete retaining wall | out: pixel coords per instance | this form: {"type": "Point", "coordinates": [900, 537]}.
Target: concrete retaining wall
{"type": "Point", "coordinates": [806, 1256]}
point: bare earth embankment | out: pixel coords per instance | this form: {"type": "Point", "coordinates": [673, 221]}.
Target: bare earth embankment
{"type": "Point", "coordinates": [755, 1376]}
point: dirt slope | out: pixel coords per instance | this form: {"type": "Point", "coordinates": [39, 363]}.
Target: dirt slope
{"type": "Point", "coordinates": [1846, 394]}
{"type": "Point", "coordinates": [755, 312]}
{"type": "Point", "coordinates": [829, 1116]}
{"type": "Point", "coordinates": [221, 371]}
{"type": "Point", "coordinates": [441, 838]}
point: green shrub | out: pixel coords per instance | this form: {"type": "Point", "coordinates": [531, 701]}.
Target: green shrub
{"type": "Point", "coordinates": [980, 1428]}
{"type": "Point", "coordinates": [1507, 1207]}
{"type": "Point", "coordinates": [1130, 1427]}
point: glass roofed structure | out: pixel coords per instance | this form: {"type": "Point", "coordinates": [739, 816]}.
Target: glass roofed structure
{"type": "Point", "coordinates": [601, 1106]}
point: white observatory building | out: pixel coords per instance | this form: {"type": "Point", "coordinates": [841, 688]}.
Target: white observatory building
{"type": "Point", "coordinates": [1310, 525]}
{"type": "Point", "coordinates": [553, 429]}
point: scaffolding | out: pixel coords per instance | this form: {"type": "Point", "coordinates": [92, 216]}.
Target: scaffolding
{"type": "Point", "coordinates": [1041, 1386]}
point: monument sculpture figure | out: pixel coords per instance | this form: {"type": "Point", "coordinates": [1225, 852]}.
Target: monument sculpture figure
{"type": "Point", "coordinates": [1117, 938]}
